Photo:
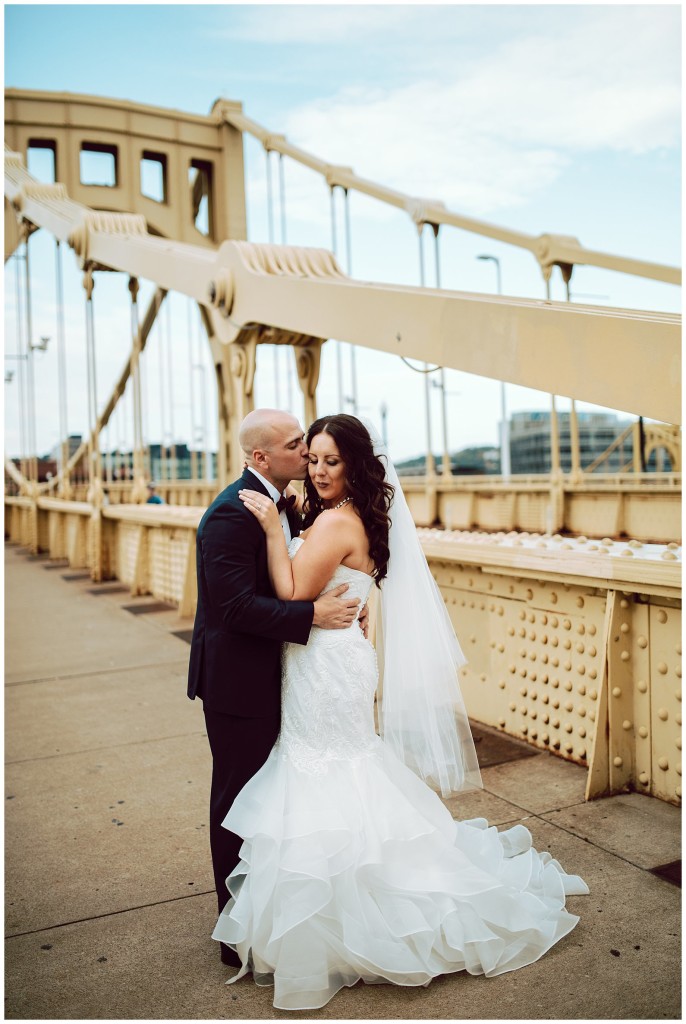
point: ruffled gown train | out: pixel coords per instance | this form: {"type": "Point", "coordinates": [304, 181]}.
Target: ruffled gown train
{"type": "Point", "coordinates": [353, 869]}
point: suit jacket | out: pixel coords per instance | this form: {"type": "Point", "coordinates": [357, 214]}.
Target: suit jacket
{"type": "Point", "coordinates": [235, 662]}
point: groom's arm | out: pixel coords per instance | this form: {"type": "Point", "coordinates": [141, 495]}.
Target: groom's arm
{"type": "Point", "coordinates": [230, 545]}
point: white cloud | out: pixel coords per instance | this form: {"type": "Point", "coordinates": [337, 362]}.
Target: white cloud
{"type": "Point", "coordinates": [491, 132]}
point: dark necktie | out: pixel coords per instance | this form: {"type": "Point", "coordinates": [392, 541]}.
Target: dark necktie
{"type": "Point", "coordinates": [286, 503]}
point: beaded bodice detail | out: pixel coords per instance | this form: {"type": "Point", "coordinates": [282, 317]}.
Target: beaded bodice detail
{"type": "Point", "coordinates": [328, 686]}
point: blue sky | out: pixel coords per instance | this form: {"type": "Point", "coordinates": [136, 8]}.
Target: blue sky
{"type": "Point", "coordinates": [560, 118]}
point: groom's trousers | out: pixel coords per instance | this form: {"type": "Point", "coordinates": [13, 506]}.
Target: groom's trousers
{"type": "Point", "coordinates": [239, 746]}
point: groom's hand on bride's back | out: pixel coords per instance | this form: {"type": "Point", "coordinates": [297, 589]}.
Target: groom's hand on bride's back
{"type": "Point", "coordinates": [334, 610]}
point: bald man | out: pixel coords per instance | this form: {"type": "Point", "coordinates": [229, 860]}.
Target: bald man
{"type": "Point", "coordinates": [235, 662]}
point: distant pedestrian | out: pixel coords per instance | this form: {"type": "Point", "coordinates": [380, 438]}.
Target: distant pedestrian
{"type": "Point", "coordinates": [153, 497]}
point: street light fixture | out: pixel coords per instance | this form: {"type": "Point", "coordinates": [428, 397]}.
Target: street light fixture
{"type": "Point", "coordinates": [504, 425]}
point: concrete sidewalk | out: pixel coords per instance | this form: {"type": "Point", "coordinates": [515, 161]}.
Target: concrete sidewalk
{"type": "Point", "coordinates": [110, 902]}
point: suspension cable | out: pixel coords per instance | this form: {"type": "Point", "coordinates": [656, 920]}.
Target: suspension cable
{"type": "Point", "coordinates": [353, 368]}
{"type": "Point", "coordinates": [170, 379]}
{"type": "Point", "coordinates": [339, 344]}
{"type": "Point", "coordinates": [20, 372]}
{"type": "Point", "coordinates": [62, 364]}
{"type": "Point", "coordinates": [191, 378]}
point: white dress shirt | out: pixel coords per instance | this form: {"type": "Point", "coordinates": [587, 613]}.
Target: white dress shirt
{"type": "Point", "coordinates": [275, 494]}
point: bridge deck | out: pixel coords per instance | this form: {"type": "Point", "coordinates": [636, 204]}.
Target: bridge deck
{"type": "Point", "coordinates": [108, 884]}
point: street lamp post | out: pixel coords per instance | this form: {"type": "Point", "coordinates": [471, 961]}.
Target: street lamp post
{"type": "Point", "coordinates": [505, 468]}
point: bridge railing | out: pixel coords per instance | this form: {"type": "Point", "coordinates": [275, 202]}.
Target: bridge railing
{"type": "Point", "coordinates": [573, 645]}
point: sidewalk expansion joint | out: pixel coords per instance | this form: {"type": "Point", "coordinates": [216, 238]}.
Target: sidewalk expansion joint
{"type": "Point", "coordinates": [99, 672]}
{"type": "Point", "coordinates": [112, 746]}
{"type": "Point", "coordinates": [112, 913]}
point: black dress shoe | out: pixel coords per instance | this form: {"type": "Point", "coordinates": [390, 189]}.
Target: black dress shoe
{"type": "Point", "coordinates": [229, 956]}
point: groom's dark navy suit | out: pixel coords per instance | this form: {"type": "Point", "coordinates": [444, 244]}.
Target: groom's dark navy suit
{"type": "Point", "coordinates": [235, 662]}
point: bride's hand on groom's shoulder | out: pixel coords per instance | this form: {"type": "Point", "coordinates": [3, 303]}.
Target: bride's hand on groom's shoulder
{"type": "Point", "coordinates": [263, 509]}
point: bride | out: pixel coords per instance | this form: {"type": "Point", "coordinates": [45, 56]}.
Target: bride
{"type": "Point", "coordinates": [351, 867]}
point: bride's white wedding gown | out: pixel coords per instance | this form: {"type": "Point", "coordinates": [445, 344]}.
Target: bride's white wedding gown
{"type": "Point", "coordinates": [352, 868]}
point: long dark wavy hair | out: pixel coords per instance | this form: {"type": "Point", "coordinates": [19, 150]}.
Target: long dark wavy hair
{"type": "Point", "coordinates": [365, 479]}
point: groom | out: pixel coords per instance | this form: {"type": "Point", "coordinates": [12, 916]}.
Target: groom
{"type": "Point", "coordinates": [235, 661]}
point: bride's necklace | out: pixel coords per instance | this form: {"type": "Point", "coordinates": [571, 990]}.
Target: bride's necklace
{"type": "Point", "coordinates": [341, 503]}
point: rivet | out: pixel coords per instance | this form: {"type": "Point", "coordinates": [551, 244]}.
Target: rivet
{"type": "Point", "coordinates": [626, 724]}
{"type": "Point", "coordinates": [521, 632]}
{"type": "Point", "coordinates": [624, 603]}
{"type": "Point", "coordinates": [592, 630]}
{"type": "Point", "coordinates": [522, 673]}
{"type": "Point", "coordinates": [529, 595]}
{"type": "Point", "coordinates": [545, 718]}
{"type": "Point", "coordinates": [581, 629]}
{"type": "Point", "coordinates": [677, 694]}
{"type": "Point", "coordinates": [482, 677]}
{"type": "Point", "coordinates": [677, 719]}
{"type": "Point", "coordinates": [642, 732]}
{"type": "Point", "coordinates": [553, 597]}
{"type": "Point", "coordinates": [510, 630]}
{"type": "Point", "coordinates": [568, 727]}
{"type": "Point", "coordinates": [524, 730]}
{"type": "Point", "coordinates": [662, 668]}
{"type": "Point", "coordinates": [579, 602]}
{"type": "Point", "coordinates": [625, 655]}
{"type": "Point", "coordinates": [532, 655]}
{"type": "Point", "coordinates": [569, 747]}
{"type": "Point", "coordinates": [554, 621]}
{"type": "Point", "coordinates": [544, 619]}
{"type": "Point", "coordinates": [641, 686]}
{"type": "Point", "coordinates": [532, 635]}
{"type": "Point", "coordinates": [533, 695]}
{"type": "Point", "coordinates": [524, 711]}
{"type": "Point", "coordinates": [523, 691]}
{"type": "Point", "coordinates": [501, 684]}
{"type": "Point", "coordinates": [531, 617]}
{"type": "Point", "coordinates": [545, 738]}
{"type": "Point", "coordinates": [533, 714]}
{"type": "Point", "coordinates": [555, 683]}
{"type": "Point", "coordinates": [663, 763]}
{"type": "Point", "coordinates": [593, 694]}
{"type": "Point", "coordinates": [617, 762]}
{"type": "Point", "coordinates": [554, 642]}
{"type": "Point", "coordinates": [677, 743]}
{"type": "Point", "coordinates": [545, 698]}
{"type": "Point", "coordinates": [662, 615]}
{"type": "Point", "coordinates": [591, 715]}
{"type": "Point", "coordinates": [513, 707]}
{"type": "Point", "coordinates": [556, 744]}
{"type": "Point", "coordinates": [581, 669]}
{"type": "Point", "coordinates": [581, 712]}
{"type": "Point", "coordinates": [580, 648]}
{"type": "Point", "coordinates": [568, 685]}
{"type": "Point", "coordinates": [678, 791]}
{"type": "Point", "coordinates": [544, 659]}
{"type": "Point", "coordinates": [555, 662]}
{"type": "Point", "coordinates": [678, 769]}
{"type": "Point", "coordinates": [511, 669]}
{"type": "Point", "coordinates": [592, 673]}
{"type": "Point", "coordinates": [677, 671]}
{"type": "Point", "coordinates": [567, 644]}
{"type": "Point", "coordinates": [582, 752]}
{"type": "Point", "coordinates": [567, 624]}
{"type": "Point", "coordinates": [644, 779]}
{"type": "Point", "coordinates": [642, 642]}
{"type": "Point", "coordinates": [569, 706]}
{"type": "Point", "coordinates": [567, 665]}
{"type": "Point", "coordinates": [582, 690]}
{"type": "Point", "coordinates": [582, 732]}
{"type": "Point", "coordinates": [678, 649]}
{"type": "Point", "coordinates": [522, 614]}
{"type": "Point", "coordinates": [555, 723]}
{"type": "Point", "coordinates": [662, 714]}
{"type": "Point", "coordinates": [616, 692]}
{"type": "Point", "coordinates": [501, 722]}
{"type": "Point", "coordinates": [624, 628]}
{"type": "Point", "coordinates": [592, 651]}
{"type": "Point", "coordinates": [501, 648]}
